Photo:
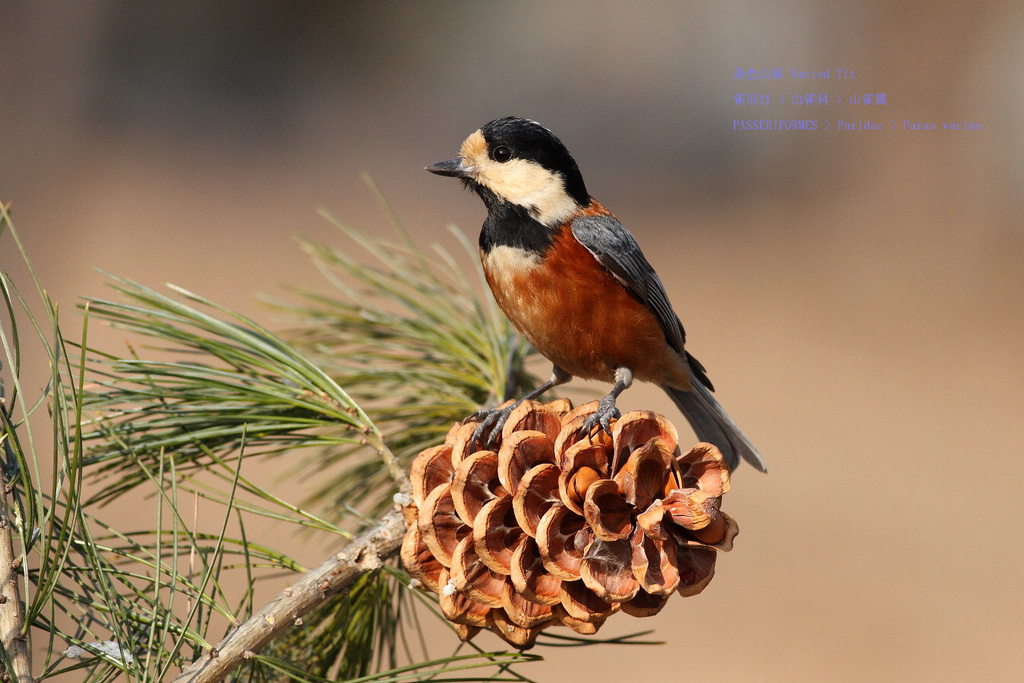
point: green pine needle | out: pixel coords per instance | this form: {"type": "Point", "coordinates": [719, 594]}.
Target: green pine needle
{"type": "Point", "coordinates": [412, 339]}
{"type": "Point", "coordinates": [355, 385]}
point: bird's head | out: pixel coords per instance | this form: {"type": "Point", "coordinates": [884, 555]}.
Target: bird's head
{"type": "Point", "coordinates": [518, 161]}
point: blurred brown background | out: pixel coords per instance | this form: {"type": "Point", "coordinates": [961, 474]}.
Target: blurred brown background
{"type": "Point", "coordinates": [856, 296]}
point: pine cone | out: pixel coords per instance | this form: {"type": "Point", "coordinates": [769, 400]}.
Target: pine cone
{"type": "Point", "coordinates": [555, 527]}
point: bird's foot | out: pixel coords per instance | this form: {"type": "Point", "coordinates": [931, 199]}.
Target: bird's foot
{"type": "Point", "coordinates": [602, 417]}
{"type": "Point", "coordinates": [491, 421]}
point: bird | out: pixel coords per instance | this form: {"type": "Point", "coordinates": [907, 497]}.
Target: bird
{"type": "Point", "coordinates": [575, 283]}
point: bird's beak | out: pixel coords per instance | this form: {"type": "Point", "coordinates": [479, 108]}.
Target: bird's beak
{"type": "Point", "coordinates": [453, 167]}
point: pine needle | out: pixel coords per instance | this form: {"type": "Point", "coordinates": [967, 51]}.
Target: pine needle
{"type": "Point", "coordinates": [356, 384]}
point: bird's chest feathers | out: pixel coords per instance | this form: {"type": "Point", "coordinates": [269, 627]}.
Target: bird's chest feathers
{"type": "Point", "coordinates": [516, 277]}
{"type": "Point", "coordinates": [528, 293]}
{"type": "Point", "coordinates": [563, 303]}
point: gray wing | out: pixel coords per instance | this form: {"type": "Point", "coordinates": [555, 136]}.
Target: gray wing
{"type": "Point", "coordinates": [616, 249]}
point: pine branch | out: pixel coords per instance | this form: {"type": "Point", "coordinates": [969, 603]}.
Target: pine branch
{"type": "Point", "coordinates": [365, 554]}
{"type": "Point", "coordinates": [13, 631]}
{"type": "Point", "coordinates": [13, 638]}
{"type": "Point", "coordinates": [404, 347]}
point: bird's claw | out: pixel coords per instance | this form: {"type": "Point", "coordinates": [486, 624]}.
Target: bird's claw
{"type": "Point", "coordinates": [491, 422]}
{"type": "Point", "coordinates": [478, 416]}
{"type": "Point", "coordinates": [602, 417]}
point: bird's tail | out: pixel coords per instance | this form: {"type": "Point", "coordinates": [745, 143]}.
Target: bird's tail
{"type": "Point", "coordinates": [711, 424]}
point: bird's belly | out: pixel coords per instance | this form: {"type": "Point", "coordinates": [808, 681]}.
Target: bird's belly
{"type": "Point", "coordinates": [577, 315]}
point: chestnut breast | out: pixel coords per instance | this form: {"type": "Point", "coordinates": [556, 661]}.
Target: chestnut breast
{"type": "Point", "coordinates": [578, 316]}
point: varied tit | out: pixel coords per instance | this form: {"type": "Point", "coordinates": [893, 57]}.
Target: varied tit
{"type": "Point", "coordinates": [573, 280]}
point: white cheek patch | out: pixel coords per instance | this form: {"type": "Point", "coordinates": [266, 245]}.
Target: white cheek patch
{"type": "Point", "coordinates": [529, 185]}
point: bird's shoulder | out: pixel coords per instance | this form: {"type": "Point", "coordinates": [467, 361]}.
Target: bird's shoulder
{"type": "Point", "coordinates": [615, 248]}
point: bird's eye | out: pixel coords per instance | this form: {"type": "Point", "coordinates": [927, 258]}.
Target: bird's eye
{"type": "Point", "coordinates": [501, 154]}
